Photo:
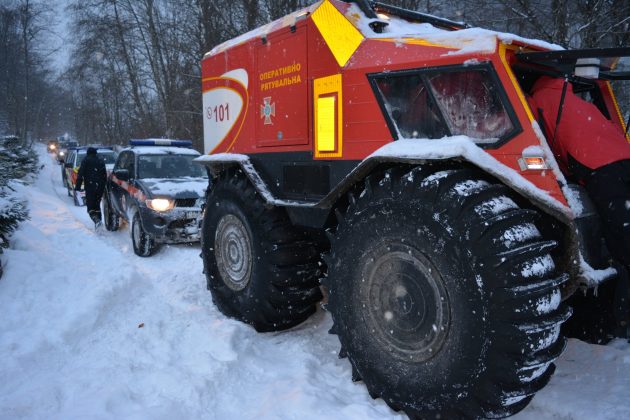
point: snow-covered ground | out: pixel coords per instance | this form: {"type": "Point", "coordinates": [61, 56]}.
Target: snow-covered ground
{"type": "Point", "coordinates": [88, 330]}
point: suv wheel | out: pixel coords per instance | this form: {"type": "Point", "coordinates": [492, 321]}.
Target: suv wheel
{"type": "Point", "coordinates": [260, 269]}
{"type": "Point", "coordinates": [143, 244]}
{"type": "Point", "coordinates": [444, 295]}
{"type": "Point", "coordinates": [112, 220]}
{"type": "Point", "coordinates": [75, 198]}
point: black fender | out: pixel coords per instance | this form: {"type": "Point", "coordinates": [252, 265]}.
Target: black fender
{"type": "Point", "coordinates": [220, 162]}
{"type": "Point", "coordinates": [320, 214]}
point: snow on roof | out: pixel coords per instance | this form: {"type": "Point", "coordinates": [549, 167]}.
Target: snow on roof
{"type": "Point", "coordinates": [464, 40]}
{"type": "Point", "coordinates": [162, 150]}
{"type": "Point", "coordinates": [220, 157]}
{"type": "Point", "coordinates": [265, 29]}
{"type": "Point", "coordinates": [83, 150]}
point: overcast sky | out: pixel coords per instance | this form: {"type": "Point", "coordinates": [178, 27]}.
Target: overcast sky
{"type": "Point", "coordinates": [60, 39]}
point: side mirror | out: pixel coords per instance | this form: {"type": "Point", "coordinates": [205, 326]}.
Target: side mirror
{"type": "Point", "coordinates": [122, 174]}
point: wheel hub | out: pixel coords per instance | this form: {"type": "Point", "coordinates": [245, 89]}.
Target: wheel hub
{"type": "Point", "coordinates": [232, 250]}
{"type": "Point", "coordinates": [406, 301]}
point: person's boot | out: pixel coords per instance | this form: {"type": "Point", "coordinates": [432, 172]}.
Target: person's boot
{"type": "Point", "coordinates": [97, 222]}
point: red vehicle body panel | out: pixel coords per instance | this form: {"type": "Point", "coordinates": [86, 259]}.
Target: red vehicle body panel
{"type": "Point", "coordinates": [283, 61]}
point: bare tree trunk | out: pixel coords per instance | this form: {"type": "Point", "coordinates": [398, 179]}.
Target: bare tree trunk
{"type": "Point", "coordinates": [132, 72]}
{"type": "Point", "coordinates": [559, 9]}
{"type": "Point", "coordinates": [26, 17]}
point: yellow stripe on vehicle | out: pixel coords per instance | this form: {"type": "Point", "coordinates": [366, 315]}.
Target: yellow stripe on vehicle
{"type": "Point", "coordinates": [328, 116]}
{"type": "Point", "coordinates": [340, 35]}
{"type": "Point", "coordinates": [618, 110]}
{"type": "Point", "coordinates": [502, 51]}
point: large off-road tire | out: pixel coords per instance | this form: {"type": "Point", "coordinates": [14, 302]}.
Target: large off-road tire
{"type": "Point", "coordinates": [112, 220]}
{"type": "Point", "coordinates": [444, 295]}
{"type": "Point", "coordinates": [144, 244]}
{"type": "Point", "coordinates": [259, 268]}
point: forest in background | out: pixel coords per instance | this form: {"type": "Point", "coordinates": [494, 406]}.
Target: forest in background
{"type": "Point", "coordinates": [134, 67]}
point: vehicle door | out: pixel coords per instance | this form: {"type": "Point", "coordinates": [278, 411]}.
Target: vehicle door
{"type": "Point", "coordinates": [65, 171]}
{"type": "Point", "coordinates": [69, 165]}
{"type": "Point", "coordinates": [120, 180]}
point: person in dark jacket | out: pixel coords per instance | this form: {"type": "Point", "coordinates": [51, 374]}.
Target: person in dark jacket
{"type": "Point", "coordinates": [92, 172]}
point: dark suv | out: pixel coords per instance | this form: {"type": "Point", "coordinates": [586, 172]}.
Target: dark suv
{"type": "Point", "coordinates": [156, 188]}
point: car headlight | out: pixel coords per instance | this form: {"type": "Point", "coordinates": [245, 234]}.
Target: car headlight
{"type": "Point", "coordinates": [160, 204]}
{"type": "Point", "coordinates": [61, 153]}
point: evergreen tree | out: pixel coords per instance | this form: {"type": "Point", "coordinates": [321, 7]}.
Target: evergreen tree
{"type": "Point", "coordinates": [17, 163]}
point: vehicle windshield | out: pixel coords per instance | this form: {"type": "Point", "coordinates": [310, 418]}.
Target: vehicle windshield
{"type": "Point", "coordinates": [169, 166]}
{"type": "Point", "coordinates": [107, 157]}
{"type": "Point", "coordinates": [434, 104]}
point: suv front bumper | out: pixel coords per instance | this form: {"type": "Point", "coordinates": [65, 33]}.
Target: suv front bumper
{"type": "Point", "coordinates": [177, 225]}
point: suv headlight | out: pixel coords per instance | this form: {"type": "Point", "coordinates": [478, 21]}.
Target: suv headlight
{"type": "Point", "coordinates": [160, 204]}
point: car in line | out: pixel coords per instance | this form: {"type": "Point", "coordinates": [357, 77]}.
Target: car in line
{"type": "Point", "coordinates": [63, 149]}
{"type": "Point", "coordinates": [156, 189]}
{"type": "Point", "coordinates": [52, 145]}
{"type": "Point", "coordinates": [73, 163]}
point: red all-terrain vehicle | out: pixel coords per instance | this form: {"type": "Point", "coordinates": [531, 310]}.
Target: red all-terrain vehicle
{"type": "Point", "coordinates": [393, 156]}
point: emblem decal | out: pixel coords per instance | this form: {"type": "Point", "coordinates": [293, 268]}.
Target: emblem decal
{"type": "Point", "coordinates": [225, 106]}
{"type": "Point", "coordinates": [268, 110]}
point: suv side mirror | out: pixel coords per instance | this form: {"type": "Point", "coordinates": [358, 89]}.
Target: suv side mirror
{"type": "Point", "coordinates": [122, 174]}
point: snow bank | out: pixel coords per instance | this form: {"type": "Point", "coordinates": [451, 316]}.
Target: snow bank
{"type": "Point", "coordinates": [89, 330]}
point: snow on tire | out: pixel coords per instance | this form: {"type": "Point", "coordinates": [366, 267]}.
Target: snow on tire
{"type": "Point", "coordinates": [259, 268]}
{"type": "Point", "coordinates": [143, 244]}
{"type": "Point", "coordinates": [444, 295]}
{"type": "Point", "coordinates": [112, 220]}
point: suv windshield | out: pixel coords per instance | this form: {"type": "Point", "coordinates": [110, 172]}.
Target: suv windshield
{"type": "Point", "coordinates": [107, 157]}
{"type": "Point", "coordinates": [169, 166]}
{"type": "Point", "coordinates": [433, 104]}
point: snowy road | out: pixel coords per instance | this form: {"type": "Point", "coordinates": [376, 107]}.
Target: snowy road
{"type": "Point", "coordinates": [89, 330]}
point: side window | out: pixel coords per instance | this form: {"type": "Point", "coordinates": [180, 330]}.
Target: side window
{"type": "Point", "coordinates": [470, 103]}
{"type": "Point", "coordinates": [450, 101]}
{"type": "Point", "coordinates": [120, 161]}
{"type": "Point", "coordinates": [125, 161]}
{"type": "Point", "coordinates": [410, 107]}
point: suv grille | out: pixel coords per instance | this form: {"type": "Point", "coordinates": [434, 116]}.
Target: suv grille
{"type": "Point", "coordinates": [185, 202]}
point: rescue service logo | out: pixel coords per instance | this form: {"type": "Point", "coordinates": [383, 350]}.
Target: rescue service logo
{"type": "Point", "coordinates": [225, 101]}
{"type": "Point", "coordinates": [268, 110]}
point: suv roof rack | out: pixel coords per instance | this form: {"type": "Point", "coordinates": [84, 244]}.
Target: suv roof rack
{"type": "Point", "coordinates": [160, 142]}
